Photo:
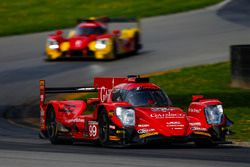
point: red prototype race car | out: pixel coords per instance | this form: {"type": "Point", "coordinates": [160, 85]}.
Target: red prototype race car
{"type": "Point", "coordinates": [95, 38]}
{"type": "Point", "coordinates": [128, 111]}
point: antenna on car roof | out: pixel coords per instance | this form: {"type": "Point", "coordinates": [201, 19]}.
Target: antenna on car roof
{"type": "Point", "coordinates": [137, 78]}
{"type": "Point", "coordinates": [134, 76]}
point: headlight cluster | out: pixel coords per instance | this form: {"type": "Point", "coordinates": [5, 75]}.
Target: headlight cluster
{"type": "Point", "coordinates": [214, 114]}
{"type": "Point", "coordinates": [52, 44]}
{"type": "Point", "coordinates": [126, 115]}
{"type": "Point", "coordinates": [101, 43]}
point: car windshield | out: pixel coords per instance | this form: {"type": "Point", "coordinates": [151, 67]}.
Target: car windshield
{"type": "Point", "coordinates": [88, 31]}
{"type": "Point", "coordinates": [147, 98]}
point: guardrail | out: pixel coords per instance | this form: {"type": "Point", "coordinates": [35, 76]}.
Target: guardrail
{"type": "Point", "coordinates": [240, 66]}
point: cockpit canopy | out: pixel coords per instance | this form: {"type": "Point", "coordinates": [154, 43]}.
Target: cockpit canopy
{"type": "Point", "coordinates": [141, 97]}
{"type": "Point", "coordinates": [89, 28]}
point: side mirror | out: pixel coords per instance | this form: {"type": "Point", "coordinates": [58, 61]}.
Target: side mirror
{"type": "Point", "coordinates": [116, 32]}
{"type": "Point", "coordinates": [59, 32]}
{"type": "Point", "coordinates": [93, 101]}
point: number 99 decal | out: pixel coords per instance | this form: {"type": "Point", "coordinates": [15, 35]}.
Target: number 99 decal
{"type": "Point", "coordinates": [92, 131]}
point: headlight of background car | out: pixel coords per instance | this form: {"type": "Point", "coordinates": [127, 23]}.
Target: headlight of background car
{"type": "Point", "coordinates": [101, 43]}
{"type": "Point", "coordinates": [214, 114]}
{"type": "Point", "coordinates": [126, 115]}
{"type": "Point", "coordinates": [52, 44]}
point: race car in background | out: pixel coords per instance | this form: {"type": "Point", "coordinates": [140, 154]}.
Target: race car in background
{"type": "Point", "coordinates": [129, 110]}
{"type": "Point", "coordinates": [93, 38]}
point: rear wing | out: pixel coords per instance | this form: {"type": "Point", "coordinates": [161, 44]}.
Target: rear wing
{"type": "Point", "coordinates": [54, 90]}
{"type": "Point", "coordinates": [108, 20]}
{"type": "Point", "coordinates": [102, 85]}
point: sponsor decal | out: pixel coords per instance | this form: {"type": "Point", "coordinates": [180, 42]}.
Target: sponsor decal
{"type": "Point", "coordinates": [143, 125]}
{"type": "Point", "coordinates": [148, 134]}
{"type": "Point", "coordinates": [195, 124]}
{"type": "Point", "coordinates": [174, 124]}
{"type": "Point", "coordinates": [198, 129]}
{"type": "Point", "coordinates": [143, 131]}
{"type": "Point", "coordinates": [120, 131]}
{"type": "Point", "coordinates": [92, 122]}
{"type": "Point", "coordinates": [114, 138]}
{"type": "Point", "coordinates": [78, 43]}
{"type": "Point", "coordinates": [202, 133]}
{"type": "Point", "coordinates": [41, 97]}
{"type": "Point", "coordinates": [167, 115]}
{"type": "Point", "coordinates": [42, 82]}
{"type": "Point", "coordinates": [111, 113]}
{"type": "Point", "coordinates": [177, 128]}
{"type": "Point", "coordinates": [112, 127]}
{"type": "Point", "coordinates": [156, 109]}
{"type": "Point", "coordinates": [75, 120]}
{"type": "Point", "coordinates": [104, 93]}
{"type": "Point", "coordinates": [194, 110]}
{"type": "Point", "coordinates": [67, 108]}
{"type": "Point", "coordinates": [42, 113]}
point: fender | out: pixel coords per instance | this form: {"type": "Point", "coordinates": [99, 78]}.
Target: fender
{"type": "Point", "coordinates": [197, 109]}
{"type": "Point", "coordinates": [128, 33]}
{"type": "Point", "coordinates": [67, 111]}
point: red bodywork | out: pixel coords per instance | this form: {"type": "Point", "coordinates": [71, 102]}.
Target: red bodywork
{"type": "Point", "coordinates": [161, 123]}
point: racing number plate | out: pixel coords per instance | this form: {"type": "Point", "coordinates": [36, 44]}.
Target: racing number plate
{"type": "Point", "coordinates": [93, 129]}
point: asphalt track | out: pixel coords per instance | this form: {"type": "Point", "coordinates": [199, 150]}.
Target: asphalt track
{"type": "Point", "coordinates": [185, 39]}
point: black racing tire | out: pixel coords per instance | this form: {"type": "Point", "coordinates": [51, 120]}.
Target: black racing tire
{"type": "Point", "coordinates": [52, 126]}
{"type": "Point", "coordinates": [137, 45]}
{"type": "Point", "coordinates": [103, 122]}
{"type": "Point", "coordinates": [52, 130]}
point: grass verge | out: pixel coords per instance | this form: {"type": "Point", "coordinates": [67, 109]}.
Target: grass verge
{"type": "Point", "coordinates": [20, 17]}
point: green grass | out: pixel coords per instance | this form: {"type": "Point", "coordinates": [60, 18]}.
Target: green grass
{"type": "Point", "coordinates": [212, 81]}
{"type": "Point", "coordinates": [19, 17]}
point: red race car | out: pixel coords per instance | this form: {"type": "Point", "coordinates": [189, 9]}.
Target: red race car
{"type": "Point", "coordinates": [128, 111]}
{"type": "Point", "coordinates": [99, 38]}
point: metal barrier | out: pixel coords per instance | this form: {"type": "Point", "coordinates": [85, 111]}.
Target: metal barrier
{"type": "Point", "coordinates": [240, 66]}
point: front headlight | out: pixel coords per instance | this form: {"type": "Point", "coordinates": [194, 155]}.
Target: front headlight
{"type": "Point", "coordinates": [126, 115]}
{"type": "Point", "coordinates": [52, 44]}
{"type": "Point", "coordinates": [214, 114]}
{"type": "Point", "coordinates": [101, 43]}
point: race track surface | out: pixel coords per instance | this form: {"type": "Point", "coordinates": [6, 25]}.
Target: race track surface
{"type": "Point", "coordinates": [174, 41]}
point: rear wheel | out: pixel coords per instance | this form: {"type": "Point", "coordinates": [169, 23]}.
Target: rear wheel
{"type": "Point", "coordinates": [103, 123]}
{"type": "Point", "coordinates": [52, 130]}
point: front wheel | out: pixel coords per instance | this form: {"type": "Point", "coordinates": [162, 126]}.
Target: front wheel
{"type": "Point", "coordinates": [103, 123]}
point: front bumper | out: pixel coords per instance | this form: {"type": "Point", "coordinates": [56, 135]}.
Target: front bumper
{"type": "Point", "coordinates": [130, 136]}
